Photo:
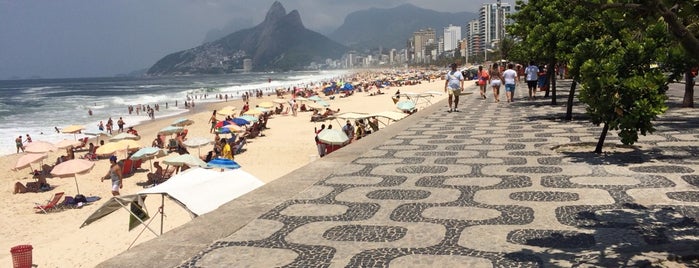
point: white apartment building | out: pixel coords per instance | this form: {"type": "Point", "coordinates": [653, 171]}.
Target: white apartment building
{"type": "Point", "coordinates": [452, 35]}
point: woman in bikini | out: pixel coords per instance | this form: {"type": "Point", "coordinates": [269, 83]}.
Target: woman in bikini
{"type": "Point", "coordinates": [496, 81]}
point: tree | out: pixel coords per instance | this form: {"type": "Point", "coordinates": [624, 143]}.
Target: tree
{"type": "Point", "coordinates": [621, 87]}
{"type": "Point", "coordinates": [612, 51]}
{"type": "Point", "coordinates": [682, 19]}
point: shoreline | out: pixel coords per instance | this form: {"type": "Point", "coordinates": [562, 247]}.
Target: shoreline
{"type": "Point", "coordinates": [288, 145]}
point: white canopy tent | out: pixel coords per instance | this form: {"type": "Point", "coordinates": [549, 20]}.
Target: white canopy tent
{"type": "Point", "coordinates": [197, 190]}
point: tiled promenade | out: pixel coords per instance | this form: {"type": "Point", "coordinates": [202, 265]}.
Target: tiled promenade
{"type": "Point", "coordinates": [478, 188]}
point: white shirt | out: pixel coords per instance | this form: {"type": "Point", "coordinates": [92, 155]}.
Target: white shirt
{"type": "Point", "coordinates": [509, 75]}
{"type": "Point", "coordinates": [454, 78]}
{"type": "Point", "coordinates": [532, 73]}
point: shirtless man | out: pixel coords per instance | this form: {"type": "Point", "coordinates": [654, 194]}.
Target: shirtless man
{"type": "Point", "coordinates": [18, 143]}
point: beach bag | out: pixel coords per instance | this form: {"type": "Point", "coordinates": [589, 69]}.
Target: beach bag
{"type": "Point", "coordinates": [79, 198]}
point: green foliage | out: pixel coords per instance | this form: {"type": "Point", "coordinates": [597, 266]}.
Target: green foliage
{"type": "Point", "coordinates": [620, 84]}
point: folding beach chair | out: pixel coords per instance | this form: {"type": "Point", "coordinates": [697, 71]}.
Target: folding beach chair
{"type": "Point", "coordinates": [50, 205]}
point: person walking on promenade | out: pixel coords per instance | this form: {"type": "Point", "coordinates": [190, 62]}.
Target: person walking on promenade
{"type": "Point", "coordinates": [532, 78]}
{"type": "Point", "coordinates": [483, 78]}
{"type": "Point", "coordinates": [453, 85]}
{"type": "Point", "coordinates": [496, 81]}
{"type": "Point", "coordinates": [510, 78]}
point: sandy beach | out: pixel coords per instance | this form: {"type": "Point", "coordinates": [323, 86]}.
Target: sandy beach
{"type": "Point", "coordinates": [58, 241]}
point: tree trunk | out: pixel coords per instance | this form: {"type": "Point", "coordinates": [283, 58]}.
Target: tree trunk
{"type": "Point", "coordinates": [571, 98]}
{"type": "Point", "coordinates": [600, 142]}
{"type": "Point", "coordinates": [553, 88]}
{"type": "Point", "coordinates": [549, 75]}
{"type": "Point", "coordinates": [688, 101]}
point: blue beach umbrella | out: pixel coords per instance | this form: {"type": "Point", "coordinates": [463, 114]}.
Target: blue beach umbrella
{"type": "Point", "coordinates": [223, 163]}
{"type": "Point", "coordinates": [315, 98]}
{"type": "Point", "coordinates": [405, 105]}
{"type": "Point", "coordinates": [240, 121]}
{"type": "Point", "coordinates": [322, 102]}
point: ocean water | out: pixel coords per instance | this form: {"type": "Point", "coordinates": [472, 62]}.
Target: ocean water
{"type": "Point", "coordinates": [36, 107]}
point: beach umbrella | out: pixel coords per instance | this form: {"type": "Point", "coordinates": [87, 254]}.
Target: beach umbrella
{"type": "Point", "coordinates": [182, 122]}
{"type": "Point", "coordinates": [40, 147]}
{"type": "Point", "coordinates": [148, 153]}
{"type": "Point", "coordinates": [261, 109]}
{"type": "Point", "coordinates": [279, 101]}
{"type": "Point", "coordinates": [27, 159]}
{"type": "Point", "coordinates": [73, 168]}
{"type": "Point", "coordinates": [234, 128]}
{"type": "Point", "coordinates": [67, 143]}
{"type": "Point", "coordinates": [222, 163]}
{"type": "Point", "coordinates": [266, 104]}
{"type": "Point", "coordinates": [315, 98]}
{"type": "Point", "coordinates": [124, 136]}
{"type": "Point", "coordinates": [250, 118]}
{"type": "Point", "coordinates": [240, 121]}
{"type": "Point", "coordinates": [197, 142]}
{"type": "Point", "coordinates": [97, 133]}
{"type": "Point", "coordinates": [333, 137]}
{"type": "Point", "coordinates": [300, 99]}
{"type": "Point", "coordinates": [73, 129]}
{"type": "Point", "coordinates": [171, 130]}
{"type": "Point", "coordinates": [225, 111]}
{"type": "Point", "coordinates": [113, 147]}
{"type": "Point", "coordinates": [253, 112]}
{"type": "Point", "coordinates": [405, 105]}
{"type": "Point", "coordinates": [315, 105]}
{"type": "Point", "coordinates": [184, 160]}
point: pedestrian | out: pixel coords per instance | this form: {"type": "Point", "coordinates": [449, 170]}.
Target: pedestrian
{"type": "Point", "coordinates": [453, 85]}
{"type": "Point", "coordinates": [496, 81]}
{"type": "Point", "coordinates": [320, 145]}
{"type": "Point", "coordinates": [100, 126]}
{"type": "Point", "coordinates": [213, 122]}
{"type": "Point", "coordinates": [29, 139]}
{"type": "Point", "coordinates": [532, 77]}
{"type": "Point", "coordinates": [18, 143]}
{"type": "Point", "coordinates": [349, 130]}
{"type": "Point", "coordinates": [115, 175]}
{"type": "Point", "coordinates": [510, 78]}
{"type": "Point", "coordinates": [483, 78]}
{"type": "Point", "coordinates": [57, 131]}
{"type": "Point", "coordinates": [121, 123]}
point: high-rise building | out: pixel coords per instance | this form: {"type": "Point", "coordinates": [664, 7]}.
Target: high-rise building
{"type": "Point", "coordinates": [247, 65]}
{"type": "Point", "coordinates": [421, 38]}
{"type": "Point", "coordinates": [474, 40]}
{"type": "Point", "coordinates": [492, 22]}
{"type": "Point", "coordinates": [452, 35]}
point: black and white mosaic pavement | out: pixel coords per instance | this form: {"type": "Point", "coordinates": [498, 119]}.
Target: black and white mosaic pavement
{"type": "Point", "coordinates": [483, 188]}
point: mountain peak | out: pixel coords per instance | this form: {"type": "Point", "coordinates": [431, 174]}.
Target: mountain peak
{"type": "Point", "coordinates": [294, 18]}
{"type": "Point", "coordinates": [275, 12]}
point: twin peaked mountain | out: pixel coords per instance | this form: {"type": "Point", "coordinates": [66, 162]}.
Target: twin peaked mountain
{"type": "Point", "coordinates": [280, 42]}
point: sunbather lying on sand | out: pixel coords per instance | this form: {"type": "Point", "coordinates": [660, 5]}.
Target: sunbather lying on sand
{"type": "Point", "coordinates": [34, 187]}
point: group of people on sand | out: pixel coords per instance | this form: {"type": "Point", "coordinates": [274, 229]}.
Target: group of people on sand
{"type": "Point", "coordinates": [19, 142]}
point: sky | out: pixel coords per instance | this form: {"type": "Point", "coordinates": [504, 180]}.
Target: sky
{"type": "Point", "coordinates": [86, 38]}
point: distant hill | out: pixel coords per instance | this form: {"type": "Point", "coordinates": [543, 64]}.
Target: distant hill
{"type": "Point", "coordinates": [280, 42]}
{"type": "Point", "coordinates": [392, 27]}
{"type": "Point", "coordinates": [234, 25]}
